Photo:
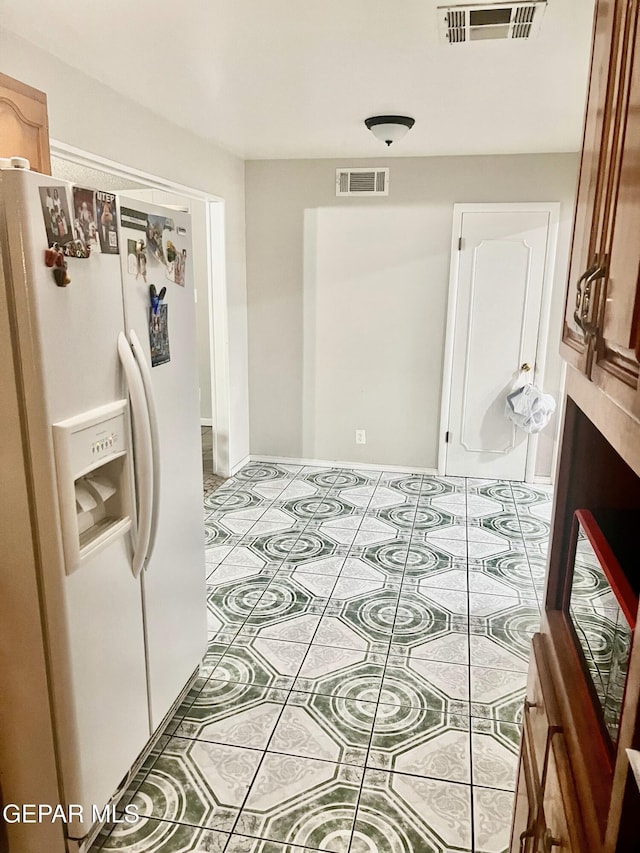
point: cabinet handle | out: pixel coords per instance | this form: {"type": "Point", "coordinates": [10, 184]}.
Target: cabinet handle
{"type": "Point", "coordinates": [579, 282]}
{"type": "Point", "coordinates": [524, 836]}
{"type": "Point", "coordinates": [584, 299]}
{"type": "Point", "coordinates": [549, 841]}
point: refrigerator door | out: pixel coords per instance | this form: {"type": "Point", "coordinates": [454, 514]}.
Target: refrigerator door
{"type": "Point", "coordinates": [65, 340]}
{"type": "Point", "coordinates": [156, 257]}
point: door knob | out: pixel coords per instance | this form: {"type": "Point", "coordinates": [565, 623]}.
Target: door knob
{"type": "Point", "coordinates": [526, 367]}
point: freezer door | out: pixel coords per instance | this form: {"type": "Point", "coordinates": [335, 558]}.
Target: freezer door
{"type": "Point", "coordinates": [157, 262]}
{"type": "Point", "coordinates": [65, 339]}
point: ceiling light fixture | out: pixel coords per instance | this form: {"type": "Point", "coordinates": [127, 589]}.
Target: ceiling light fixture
{"type": "Point", "coordinates": [389, 128]}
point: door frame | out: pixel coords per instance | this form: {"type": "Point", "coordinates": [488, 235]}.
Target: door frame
{"type": "Point", "coordinates": [216, 282]}
{"type": "Point", "coordinates": [553, 209]}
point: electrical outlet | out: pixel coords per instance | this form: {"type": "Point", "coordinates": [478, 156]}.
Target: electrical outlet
{"type": "Point", "coordinates": [361, 436]}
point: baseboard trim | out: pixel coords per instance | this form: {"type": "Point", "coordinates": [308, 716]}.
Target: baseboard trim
{"type": "Point", "coordinates": [239, 465]}
{"type": "Point", "coordinates": [544, 481]}
{"type": "Point", "coordinates": [341, 463]}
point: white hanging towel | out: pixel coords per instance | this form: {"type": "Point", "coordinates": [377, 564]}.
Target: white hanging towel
{"type": "Point", "coordinates": [529, 409]}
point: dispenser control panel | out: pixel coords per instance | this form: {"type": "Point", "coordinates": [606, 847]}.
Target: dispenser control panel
{"type": "Point", "coordinates": [87, 446]}
{"type": "Point", "coordinates": [94, 480]}
{"type": "Point", "coordinates": [107, 443]}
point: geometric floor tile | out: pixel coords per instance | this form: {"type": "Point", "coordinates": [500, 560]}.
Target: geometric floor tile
{"type": "Point", "coordinates": [333, 728]}
{"type": "Point", "coordinates": [158, 836]}
{"type": "Point", "coordinates": [203, 784]}
{"type": "Point", "coordinates": [491, 829]}
{"type": "Point", "coordinates": [245, 844]}
{"type": "Point", "coordinates": [241, 664]}
{"type": "Point", "coordinates": [490, 652]}
{"type": "Point", "coordinates": [487, 605]}
{"type": "Point", "coordinates": [298, 629]}
{"type": "Point", "coordinates": [493, 583]}
{"type": "Point", "coordinates": [248, 725]}
{"type": "Point", "coordinates": [341, 672]}
{"type": "Point", "coordinates": [400, 813]}
{"type": "Point", "coordinates": [302, 801]}
{"type": "Point", "coordinates": [450, 646]}
{"type": "Point", "coordinates": [335, 632]}
{"type": "Point", "coordinates": [494, 753]}
{"type": "Point", "coordinates": [421, 742]}
{"type": "Point", "coordinates": [516, 641]}
{"type": "Point", "coordinates": [284, 656]}
{"type": "Point", "coordinates": [421, 683]}
{"type": "Point", "coordinates": [497, 693]}
{"type": "Point", "coordinates": [363, 686]}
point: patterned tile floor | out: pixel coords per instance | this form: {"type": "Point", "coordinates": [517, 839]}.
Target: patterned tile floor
{"type": "Point", "coordinates": [369, 637]}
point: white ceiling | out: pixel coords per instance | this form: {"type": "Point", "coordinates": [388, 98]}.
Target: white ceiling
{"type": "Point", "coordinates": [295, 78]}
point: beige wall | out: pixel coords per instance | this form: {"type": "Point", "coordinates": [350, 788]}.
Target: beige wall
{"type": "Point", "coordinates": [344, 339]}
{"type": "Point", "coordinates": [90, 116]}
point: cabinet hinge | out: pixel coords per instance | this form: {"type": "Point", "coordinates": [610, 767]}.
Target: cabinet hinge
{"type": "Point", "coordinates": [446, 437]}
{"type": "Point", "coordinates": [459, 244]}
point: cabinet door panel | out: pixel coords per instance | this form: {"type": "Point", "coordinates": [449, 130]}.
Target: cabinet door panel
{"type": "Point", "coordinates": [617, 368]}
{"type": "Point", "coordinates": [560, 831]}
{"type": "Point", "coordinates": [525, 806]}
{"type": "Point", "coordinates": [541, 718]}
{"type": "Point", "coordinates": [24, 128]}
{"type": "Point", "coordinates": [595, 168]}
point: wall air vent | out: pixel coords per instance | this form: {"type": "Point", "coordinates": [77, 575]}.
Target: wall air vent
{"type": "Point", "coordinates": [362, 182]}
{"type": "Point", "coordinates": [490, 21]}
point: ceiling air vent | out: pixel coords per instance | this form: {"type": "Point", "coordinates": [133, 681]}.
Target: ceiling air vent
{"type": "Point", "coordinates": [362, 182]}
{"type": "Point", "coordinates": [470, 22]}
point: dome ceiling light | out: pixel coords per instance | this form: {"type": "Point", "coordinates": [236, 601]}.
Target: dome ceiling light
{"type": "Point", "coordinates": [389, 128]}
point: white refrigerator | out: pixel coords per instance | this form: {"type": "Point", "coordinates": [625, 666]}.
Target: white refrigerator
{"type": "Point", "coordinates": [103, 576]}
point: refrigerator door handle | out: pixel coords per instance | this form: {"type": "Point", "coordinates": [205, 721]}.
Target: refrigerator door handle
{"type": "Point", "coordinates": [145, 372]}
{"type": "Point", "coordinates": [143, 452]}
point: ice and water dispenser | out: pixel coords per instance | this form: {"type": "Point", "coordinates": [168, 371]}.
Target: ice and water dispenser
{"type": "Point", "coordinates": [94, 480]}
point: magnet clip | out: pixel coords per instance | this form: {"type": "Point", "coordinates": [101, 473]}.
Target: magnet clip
{"type": "Point", "coordinates": [61, 275]}
{"type": "Point", "coordinates": [155, 299]}
{"type": "Point", "coordinates": [54, 258]}
{"type": "Point", "coordinates": [76, 249]}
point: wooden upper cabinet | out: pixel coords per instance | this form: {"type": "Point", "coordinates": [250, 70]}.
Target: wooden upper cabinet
{"type": "Point", "coordinates": [616, 367]}
{"type": "Point", "coordinates": [601, 332]}
{"type": "Point", "coordinates": [24, 126]}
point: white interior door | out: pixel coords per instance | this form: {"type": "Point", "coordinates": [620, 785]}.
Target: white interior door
{"type": "Point", "coordinates": [498, 278]}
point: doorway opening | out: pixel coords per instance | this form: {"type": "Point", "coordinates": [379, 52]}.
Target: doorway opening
{"type": "Point", "coordinates": [208, 220]}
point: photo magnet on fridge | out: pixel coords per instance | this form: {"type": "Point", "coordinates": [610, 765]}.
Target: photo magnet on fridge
{"type": "Point", "coordinates": [106, 220]}
{"type": "Point", "coordinates": [85, 228]}
{"type": "Point", "coordinates": [159, 335]}
{"type": "Point", "coordinates": [155, 227]}
{"type": "Point", "coordinates": [57, 216]}
{"type": "Point", "coordinates": [176, 264]}
{"type": "Point", "coordinates": [137, 258]}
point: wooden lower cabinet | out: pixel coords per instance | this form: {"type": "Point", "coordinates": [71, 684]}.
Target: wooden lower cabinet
{"type": "Point", "coordinates": [560, 826]}
{"type": "Point", "coordinates": [546, 818]}
{"type": "Point", "coordinates": [525, 811]}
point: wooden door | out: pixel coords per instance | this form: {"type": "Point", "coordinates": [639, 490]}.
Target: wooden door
{"type": "Point", "coordinates": [24, 126]}
{"type": "Point", "coordinates": [597, 173]}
